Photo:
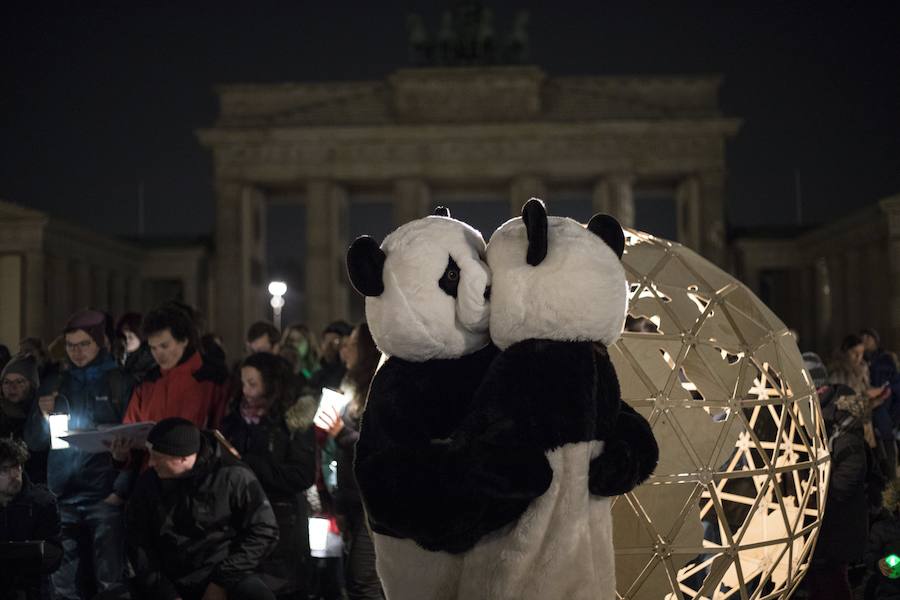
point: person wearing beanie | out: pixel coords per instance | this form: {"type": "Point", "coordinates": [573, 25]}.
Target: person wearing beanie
{"type": "Point", "coordinates": [90, 488]}
{"type": "Point", "coordinates": [19, 384]}
{"type": "Point", "coordinates": [183, 382]}
{"type": "Point", "coordinates": [199, 522]}
{"type": "Point", "coordinates": [885, 418]}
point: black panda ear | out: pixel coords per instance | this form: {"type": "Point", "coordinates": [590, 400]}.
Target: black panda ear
{"type": "Point", "coordinates": [534, 215]}
{"type": "Point", "coordinates": [442, 211]}
{"type": "Point", "coordinates": [365, 265]}
{"type": "Point", "coordinates": [609, 231]}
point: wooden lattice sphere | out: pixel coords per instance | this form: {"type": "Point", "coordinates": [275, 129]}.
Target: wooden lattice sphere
{"type": "Point", "coordinates": [735, 504]}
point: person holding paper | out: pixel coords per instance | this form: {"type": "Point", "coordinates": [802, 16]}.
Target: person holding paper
{"type": "Point", "coordinates": [89, 487]}
{"type": "Point", "coordinates": [361, 356]}
{"type": "Point", "coordinates": [282, 460]}
{"type": "Point", "coordinates": [28, 513]}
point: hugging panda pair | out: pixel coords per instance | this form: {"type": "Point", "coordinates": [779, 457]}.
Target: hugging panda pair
{"type": "Point", "coordinates": [487, 469]}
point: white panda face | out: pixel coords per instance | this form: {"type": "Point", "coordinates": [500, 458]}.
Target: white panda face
{"type": "Point", "coordinates": [576, 292]}
{"type": "Point", "coordinates": [433, 303]}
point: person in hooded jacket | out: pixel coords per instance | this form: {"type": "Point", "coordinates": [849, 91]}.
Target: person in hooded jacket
{"type": "Point", "coordinates": [199, 524]}
{"type": "Point", "coordinates": [842, 536]}
{"type": "Point", "coordinates": [90, 489]}
{"type": "Point", "coordinates": [283, 461]}
{"type": "Point", "coordinates": [28, 513]}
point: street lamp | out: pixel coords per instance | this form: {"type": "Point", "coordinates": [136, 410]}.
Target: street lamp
{"type": "Point", "coordinates": [277, 289]}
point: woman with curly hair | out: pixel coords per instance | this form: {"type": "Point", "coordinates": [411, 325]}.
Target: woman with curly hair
{"type": "Point", "coordinates": [283, 460]}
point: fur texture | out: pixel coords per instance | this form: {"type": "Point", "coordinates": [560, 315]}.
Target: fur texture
{"type": "Point", "coordinates": [576, 293]}
{"type": "Point", "coordinates": [413, 318]}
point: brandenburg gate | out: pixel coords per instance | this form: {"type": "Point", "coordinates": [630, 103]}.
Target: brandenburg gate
{"type": "Point", "coordinates": [425, 131]}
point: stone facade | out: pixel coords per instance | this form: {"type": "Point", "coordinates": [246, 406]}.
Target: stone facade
{"type": "Point", "coordinates": [833, 280]}
{"type": "Point", "coordinates": [424, 131]}
{"type": "Point", "coordinates": [49, 269]}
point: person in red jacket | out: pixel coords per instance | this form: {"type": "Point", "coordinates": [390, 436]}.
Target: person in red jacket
{"type": "Point", "coordinates": [183, 383]}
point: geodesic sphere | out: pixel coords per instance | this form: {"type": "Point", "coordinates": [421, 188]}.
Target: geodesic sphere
{"type": "Point", "coordinates": [739, 493]}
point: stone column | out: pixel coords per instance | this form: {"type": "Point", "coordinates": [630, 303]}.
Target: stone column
{"type": "Point", "coordinates": [687, 207]}
{"type": "Point", "coordinates": [134, 289]}
{"type": "Point", "coordinates": [117, 293]}
{"type": "Point", "coordinates": [231, 277]}
{"type": "Point", "coordinates": [522, 189]}
{"type": "Point", "coordinates": [253, 258]}
{"type": "Point", "coordinates": [891, 208]}
{"type": "Point", "coordinates": [327, 291]}
{"type": "Point", "coordinates": [100, 291]}
{"type": "Point", "coordinates": [82, 283]}
{"type": "Point", "coordinates": [712, 217]}
{"type": "Point", "coordinates": [412, 200]}
{"type": "Point", "coordinates": [59, 284]}
{"type": "Point", "coordinates": [614, 195]}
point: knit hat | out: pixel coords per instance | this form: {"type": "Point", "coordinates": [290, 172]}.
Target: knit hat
{"type": "Point", "coordinates": [816, 368]}
{"type": "Point", "coordinates": [92, 322]}
{"type": "Point", "coordinates": [174, 436]}
{"type": "Point", "coordinates": [23, 365]}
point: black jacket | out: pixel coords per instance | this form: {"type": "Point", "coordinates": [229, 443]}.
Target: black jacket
{"type": "Point", "coordinates": [214, 525]}
{"type": "Point", "coordinates": [31, 516]}
{"type": "Point", "coordinates": [884, 540]}
{"type": "Point", "coordinates": [283, 462]}
{"type": "Point", "coordinates": [842, 537]}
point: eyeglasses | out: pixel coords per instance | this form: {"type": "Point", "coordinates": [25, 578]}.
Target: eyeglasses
{"type": "Point", "coordinates": [79, 345]}
{"type": "Point", "coordinates": [17, 383]}
{"type": "Point", "coordinates": [10, 469]}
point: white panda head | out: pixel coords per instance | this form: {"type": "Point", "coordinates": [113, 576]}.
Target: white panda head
{"type": "Point", "coordinates": [556, 279]}
{"type": "Point", "coordinates": [426, 288]}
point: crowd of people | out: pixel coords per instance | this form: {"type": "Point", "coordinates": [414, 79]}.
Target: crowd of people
{"type": "Point", "coordinates": [242, 455]}
{"type": "Point", "coordinates": [859, 393]}
{"type": "Point", "coordinates": [244, 452]}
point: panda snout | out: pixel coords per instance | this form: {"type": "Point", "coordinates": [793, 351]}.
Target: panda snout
{"type": "Point", "coordinates": [487, 293]}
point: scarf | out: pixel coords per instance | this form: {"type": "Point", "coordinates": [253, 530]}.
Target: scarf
{"type": "Point", "coordinates": [252, 411]}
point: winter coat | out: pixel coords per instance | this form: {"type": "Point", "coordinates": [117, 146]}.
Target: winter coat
{"type": "Point", "coordinates": [842, 537]}
{"type": "Point", "coordinates": [285, 465]}
{"type": "Point", "coordinates": [193, 389]}
{"type": "Point", "coordinates": [213, 525]}
{"type": "Point", "coordinates": [93, 396]}
{"type": "Point", "coordinates": [884, 540]}
{"type": "Point", "coordinates": [30, 516]}
{"type": "Point", "coordinates": [346, 495]}
{"type": "Point", "coordinates": [12, 424]}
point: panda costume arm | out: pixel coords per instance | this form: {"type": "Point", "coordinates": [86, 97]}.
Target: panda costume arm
{"type": "Point", "coordinates": [631, 452]}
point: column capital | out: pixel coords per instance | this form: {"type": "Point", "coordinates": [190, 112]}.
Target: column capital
{"type": "Point", "coordinates": [613, 195]}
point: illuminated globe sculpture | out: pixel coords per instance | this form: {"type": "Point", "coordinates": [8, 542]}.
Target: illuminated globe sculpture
{"type": "Point", "coordinates": [734, 507]}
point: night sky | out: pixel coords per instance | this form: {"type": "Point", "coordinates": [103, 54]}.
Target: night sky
{"type": "Point", "coordinates": [99, 99]}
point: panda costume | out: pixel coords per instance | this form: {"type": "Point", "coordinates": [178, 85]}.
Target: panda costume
{"type": "Point", "coordinates": [549, 440]}
{"type": "Point", "coordinates": [427, 307]}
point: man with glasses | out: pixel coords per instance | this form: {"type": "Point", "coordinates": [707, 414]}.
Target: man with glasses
{"type": "Point", "coordinates": [29, 528]}
{"type": "Point", "coordinates": [90, 489]}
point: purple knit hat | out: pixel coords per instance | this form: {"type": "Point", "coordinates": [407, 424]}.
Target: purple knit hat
{"type": "Point", "coordinates": [92, 322]}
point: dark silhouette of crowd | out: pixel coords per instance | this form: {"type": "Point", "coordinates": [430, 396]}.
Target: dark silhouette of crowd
{"type": "Point", "coordinates": [217, 477]}
{"type": "Point", "coordinates": [859, 394]}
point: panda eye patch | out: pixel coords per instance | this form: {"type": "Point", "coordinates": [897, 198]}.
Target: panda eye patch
{"type": "Point", "coordinates": [449, 281]}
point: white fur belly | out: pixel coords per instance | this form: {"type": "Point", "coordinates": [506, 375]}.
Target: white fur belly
{"type": "Point", "coordinates": [560, 549]}
{"type": "Point", "coordinates": [409, 572]}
